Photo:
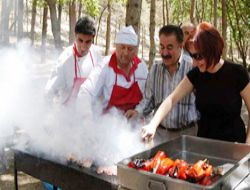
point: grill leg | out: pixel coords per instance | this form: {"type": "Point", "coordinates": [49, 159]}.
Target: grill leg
{"type": "Point", "coordinates": [15, 176]}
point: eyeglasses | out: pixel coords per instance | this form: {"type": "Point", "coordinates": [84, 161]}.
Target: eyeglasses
{"type": "Point", "coordinates": [196, 56]}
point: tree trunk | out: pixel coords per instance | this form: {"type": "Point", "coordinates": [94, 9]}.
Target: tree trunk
{"type": "Point", "coordinates": [72, 20]}
{"type": "Point", "coordinates": [133, 14]}
{"type": "Point", "coordinates": [26, 14]}
{"type": "Point", "coordinates": [60, 7]}
{"type": "Point", "coordinates": [163, 12]}
{"type": "Point", "coordinates": [54, 23]}
{"type": "Point", "coordinates": [5, 21]}
{"type": "Point", "coordinates": [202, 9]}
{"type": "Point", "coordinates": [192, 18]}
{"type": "Point", "coordinates": [33, 21]}
{"type": "Point", "coordinates": [45, 25]}
{"type": "Point", "coordinates": [142, 41]}
{"type": "Point", "coordinates": [99, 22]}
{"type": "Point", "coordinates": [108, 30]}
{"type": "Point", "coordinates": [152, 34]}
{"type": "Point", "coordinates": [20, 20]}
{"type": "Point", "coordinates": [167, 12]}
{"type": "Point", "coordinates": [224, 27]}
{"type": "Point", "coordinates": [215, 13]}
{"type": "Point", "coordinates": [16, 17]}
{"type": "Point", "coordinates": [80, 9]}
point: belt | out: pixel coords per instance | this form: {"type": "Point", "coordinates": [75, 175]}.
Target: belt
{"type": "Point", "coordinates": [190, 125]}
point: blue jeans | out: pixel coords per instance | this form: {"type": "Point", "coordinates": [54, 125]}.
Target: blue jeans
{"type": "Point", "coordinates": [49, 186]}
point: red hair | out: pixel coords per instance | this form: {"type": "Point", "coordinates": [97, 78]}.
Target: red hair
{"type": "Point", "coordinates": [209, 43]}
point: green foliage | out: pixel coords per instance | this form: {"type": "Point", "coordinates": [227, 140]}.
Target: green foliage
{"type": "Point", "coordinates": [238, 16]}
{"type": "Point", "coordinates": [92, 7]}
{"type": "Point", "coordinates": [41, 3]}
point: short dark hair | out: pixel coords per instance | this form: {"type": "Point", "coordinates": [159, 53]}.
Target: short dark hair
{"type": "Point", "coordinates": [172, 29]}
{"type": "Point", "coordinates": [209, 42]}
{"type": "Point", "coordinates": [85, 25]}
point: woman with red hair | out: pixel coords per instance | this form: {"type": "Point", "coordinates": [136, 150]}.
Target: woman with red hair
{"type": "Point", "coordinates": [219, 87]}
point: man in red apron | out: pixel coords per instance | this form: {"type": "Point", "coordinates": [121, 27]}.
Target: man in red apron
{"type": "Point", "coordinates": [74, 64]}
{"type": "Point", "coordinates": [73, 67]}
{"type": "Point", "coordinates": [121, 81]}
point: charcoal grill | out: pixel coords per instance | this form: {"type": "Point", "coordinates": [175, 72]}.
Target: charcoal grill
{"type": "Point", "coordinates": [68, 177]}
{"type": "Point", "coordinates": [191, 149]}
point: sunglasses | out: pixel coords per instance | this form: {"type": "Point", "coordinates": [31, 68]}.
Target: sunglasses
{"type": "Point", "coordinates": [196, 56]}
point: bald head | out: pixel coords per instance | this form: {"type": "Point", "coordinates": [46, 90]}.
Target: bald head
{"type": "Point", "coordinates": [188, 30]}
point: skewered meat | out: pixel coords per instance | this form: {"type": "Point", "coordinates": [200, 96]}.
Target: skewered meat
{"type": "Point", "coordinates": [109, 170]}
{"type": "Point", "coordinates": [72, 159]}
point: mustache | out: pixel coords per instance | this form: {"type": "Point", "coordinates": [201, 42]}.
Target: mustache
{"type": "Point", "coordinates": [166, 56]}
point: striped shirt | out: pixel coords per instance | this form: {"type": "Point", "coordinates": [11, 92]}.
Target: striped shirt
{"type": "Point", "coordinates": [159, 85]}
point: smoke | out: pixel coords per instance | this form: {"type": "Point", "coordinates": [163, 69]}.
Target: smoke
{"type": "Point", "coordinates": [29, 123]}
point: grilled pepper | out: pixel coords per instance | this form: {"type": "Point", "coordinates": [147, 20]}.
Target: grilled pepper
{"type": "Point", "coordinates": [179, 169]}
{"type": "Point", "coordinates": [141, 164]}
{"type": "Point", "coordinates": [165, 165]}
{"type": "Point", "coordinates": [200, 170]}
{"type": "Point", "coordinates": [156, 160]}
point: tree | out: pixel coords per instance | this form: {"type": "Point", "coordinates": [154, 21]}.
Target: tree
{"type": "Point", "coordinates": [55, 23]}
{"type": "Point", "coordinates": [99, 23]}
{"type": "Point", "coordinates": [152, 34]}
{"type": "Point", "coordinates": [45, 24]}
{"type": "Point", "coordinates": [133, 14]}
{"type": "Point", "coordinates": [192, 18]}
{"type": "Point", "coordinates": [224, 27]}
{"type": "Point", "coordinates": [20, 20]}
{"type": "Point", "coordinates": [163, 12]}
{"type": "Point", "coordinates": [215, 11]}
{"type": "Point", "coordinates": [79, 9]}
{"type": "Point", "coordinates": [6, 4]}
{"type": "Point", "coordinates": [238, 14]}
{"type": "Point", "coordinates": [33, 21]}
{"type": "Point", "coordinates": [72, 20]}
{"type": "Point", "coordinates": [108, 29]}
{"type": "Point", "coordinates": [167, 12]}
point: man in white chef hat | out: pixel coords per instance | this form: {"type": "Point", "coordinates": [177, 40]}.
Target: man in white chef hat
{"type": "Point", "coordinates": [121, 82]}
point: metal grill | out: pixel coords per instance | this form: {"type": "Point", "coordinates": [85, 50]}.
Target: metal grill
{"type": "Point", "coordinates": [67, 177]}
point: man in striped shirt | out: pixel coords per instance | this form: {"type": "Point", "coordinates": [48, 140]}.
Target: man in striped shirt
{"type": "Point", "coordinates": [164, 76]}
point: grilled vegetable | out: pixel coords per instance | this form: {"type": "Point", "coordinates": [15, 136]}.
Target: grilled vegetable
{"type": "Point", "coordinates": [179, 169]}
{"type": "Point", "coordinates": [165, 165]}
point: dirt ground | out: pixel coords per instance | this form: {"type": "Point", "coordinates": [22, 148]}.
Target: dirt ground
{"type": "Point", "coordinates": [25, 182]}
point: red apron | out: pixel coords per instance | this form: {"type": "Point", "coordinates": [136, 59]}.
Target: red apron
{"type": "Point", "coordinates": [125, 98]}
{"type": "Point", "coordinates": [78, 81]}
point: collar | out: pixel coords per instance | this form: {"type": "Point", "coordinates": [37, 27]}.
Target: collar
{"type": "Point", "coordinates": [113, 65]}
{"type": "Point", "coordinates": [76, 53]}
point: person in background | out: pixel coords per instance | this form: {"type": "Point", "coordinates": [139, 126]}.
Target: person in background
{"type": "Point", "coordinates": [74, 64]}
{"type": "Point", "coordinates": [122, 80]}
{"type": "Point", "coordinates": [219, 87]}
{"type": "Point", "coordinates": [188, 30]}
{"type": "Point", "coordinates": [163, 78]}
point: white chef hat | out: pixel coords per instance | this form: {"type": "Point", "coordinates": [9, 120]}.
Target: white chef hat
{"type": "Point", "coordinates": [127, 36]}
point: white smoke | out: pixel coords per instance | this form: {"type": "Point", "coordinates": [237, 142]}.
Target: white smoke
{"type": "Point", "coordinates": [55, 131]}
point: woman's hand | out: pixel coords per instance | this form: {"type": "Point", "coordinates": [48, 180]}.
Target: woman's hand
{"type": "Point", "coordinates": [148, 132]}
